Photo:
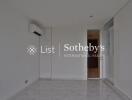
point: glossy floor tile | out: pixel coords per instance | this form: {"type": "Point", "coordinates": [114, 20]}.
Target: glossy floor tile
{"type": "Point", "coordinates": [67, 90]}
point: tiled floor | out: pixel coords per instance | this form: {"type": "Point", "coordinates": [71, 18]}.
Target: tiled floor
{"type": "Point", "coordinates": [67, 90]}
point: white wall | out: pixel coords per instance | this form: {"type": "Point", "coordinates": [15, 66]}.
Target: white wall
{"type": "Point", "coordinates": [58, 67]}
{"type": "Point", "coordinates": [68, 68]}
{"type": "Point", "coordinates": [45, 59]}
{"type": "Point", "coordinates": [123, 50]}
{"type": "Point", "coordinates": [103, 59]}
{"type": "Point", "coordinates": [107, 55]}
{"type": "Point", "coordinates": [16, 65]}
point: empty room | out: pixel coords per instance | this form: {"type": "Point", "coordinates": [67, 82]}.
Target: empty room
{"type": "Point", "coordinates": [65, 49]}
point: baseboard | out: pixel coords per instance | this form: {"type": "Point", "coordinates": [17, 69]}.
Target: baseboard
{"type": "Point", "coordinates": [116, 89]}
{"type": "Point", "coordinates": [108, 82]}
{"type": "Point", "coordinates": [94, 79]}
{"type": "Point", "coordinates": [63, 79]}
{"type": "Point", "coordinates": [41, 78]}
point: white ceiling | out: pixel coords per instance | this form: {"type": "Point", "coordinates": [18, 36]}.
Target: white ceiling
{"type": "Point", "coordinates": [68, 12]}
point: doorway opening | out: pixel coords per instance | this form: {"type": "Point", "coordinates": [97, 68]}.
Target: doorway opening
{"type": "Point", "coordinates": [93, 60]}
